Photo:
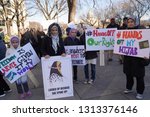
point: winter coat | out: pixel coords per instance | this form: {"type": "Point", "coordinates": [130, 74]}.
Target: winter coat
{"type": "Point", "coordinates": [88, 54]}
{"type": "Point", "coordinates": [124, 26]}
{"type": "Point", "coordinates": [10, 51]}
{"type": "Point", "coordinates": [135, 66]}
{"type": "Point", "coordinates": [113, 26]}
{"type": "Point", "coordinates": [47, 48]}
{"type": "Point", "coordinates": [2, 49]}
{"type": "Point", "coordinates": [70, 42]}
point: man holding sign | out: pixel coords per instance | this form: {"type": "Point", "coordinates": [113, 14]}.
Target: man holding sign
{"type": "Point", "coordinates": [127, 43]}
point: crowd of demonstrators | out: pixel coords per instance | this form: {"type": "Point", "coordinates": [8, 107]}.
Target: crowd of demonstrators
{"type": "Point", "coordinates": [90, 57]}
{"type": "Point", "coordinates": [72, 40]}
{"type": "Point", "coordinates": [134, 67]}
{"type": "Point", "coordinates": [112, 24]}
{"type": "Point", "coordinates": [3, 85]}
{"type": "Point", "coordinates": [21, 83]}
{"type": "Point", "coordinates": [52, 44]}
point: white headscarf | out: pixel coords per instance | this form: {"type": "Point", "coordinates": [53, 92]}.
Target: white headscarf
{"type": "Point", "coordinates": [55, 42]}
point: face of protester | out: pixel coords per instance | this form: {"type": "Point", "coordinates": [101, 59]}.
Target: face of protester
{"type": "Point", "coordinates": [15, 43]}
{"type": "Point", "coordinates": [131, 23]}
{"type": "Point", "coordinates": [54, 31]}
{"type": "Point", "coordinates": [125, 22]}
{"type": "Point", "coordinates": [73, 33]}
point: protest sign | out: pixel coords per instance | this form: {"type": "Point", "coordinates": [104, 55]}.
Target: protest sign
{"type": "Point", "coordinates": [133, 42]}
{"type": "Point", "coordinates": [17, 64]}
{"type": "Point", "coordinates": [100, 39]}
{"type": "Point", "coordinates": [77, 54]}
{"type": "Point", "coordinates": [57, 77]}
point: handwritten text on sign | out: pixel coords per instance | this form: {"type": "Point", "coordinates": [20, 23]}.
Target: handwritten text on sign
{"type": "Point", "coordinates": [18, 63]}
{"type": "Point", "coordinates": [100, 39]}
{"type": "Point", "coordinates": [132, 42]}
{"type": "Point", "coordinates": [77, 54]}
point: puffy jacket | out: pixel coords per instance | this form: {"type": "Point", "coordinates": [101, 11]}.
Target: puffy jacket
{"type": "Point", "coordinates": [2, 49]}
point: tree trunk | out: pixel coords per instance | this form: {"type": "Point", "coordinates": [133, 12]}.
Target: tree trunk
{"type": "Point", "coordinates": [72, 10]}
{"type": "Point", "coordinates": [8, 28]}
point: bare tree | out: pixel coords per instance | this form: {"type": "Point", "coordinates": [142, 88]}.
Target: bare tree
{"type": "Point", "coordinates": [16, 12]}
{"type": "Point", "coordinates": [4, 14]}
{"type": "Point", "coordinates": [141, 8]}
{"type": "Point", "coordinates": [71, 10]}
{"type": "Point", "coordinates": [51, 8]}
{"type": "Point", "coordinates": [89, 19]}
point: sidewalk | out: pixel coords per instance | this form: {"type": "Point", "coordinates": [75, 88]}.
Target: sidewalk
{"type": "Point", "coordinates": [109, 85]}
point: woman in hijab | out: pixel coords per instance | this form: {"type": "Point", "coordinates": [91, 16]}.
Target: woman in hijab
{"type": "Point", "coordinates": [134, 67]}
{"type": "Point", "coordinates": [53, 44]}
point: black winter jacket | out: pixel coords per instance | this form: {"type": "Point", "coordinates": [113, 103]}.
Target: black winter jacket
{"type": "Point", "coordinates": [70, 42]}
{"type": "Point", "coordinates": [47, 48]}
{"type": "Point", "coordinates": [135, 66]}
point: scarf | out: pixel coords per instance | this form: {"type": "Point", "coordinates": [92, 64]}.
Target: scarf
{"type": "Point", "coordinates": [55, 43]}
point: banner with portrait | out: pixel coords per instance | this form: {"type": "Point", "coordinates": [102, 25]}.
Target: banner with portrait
{"type": "Point", "coordinates": [57, 77]}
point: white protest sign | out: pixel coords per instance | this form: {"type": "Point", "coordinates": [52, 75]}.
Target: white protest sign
{"type": "Point", "coordinates": [17, 64]}
{"type": "Point", "coordinates": [100, 39]}
{"type": "Point", "coordinates": [133, 42]}
{"type": "Point", "coordinates": [77, 54]}
{"type": "Point", "coordinates": [57, 77]}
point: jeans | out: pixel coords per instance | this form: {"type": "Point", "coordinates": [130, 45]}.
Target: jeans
{"type": "Point", "coordinates": [93, 71]}
{"type": "Point", "coordinates": [23, 87]}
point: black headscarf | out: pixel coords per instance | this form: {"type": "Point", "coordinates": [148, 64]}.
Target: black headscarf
{"type": "Point", "coordinates": [59, 29]}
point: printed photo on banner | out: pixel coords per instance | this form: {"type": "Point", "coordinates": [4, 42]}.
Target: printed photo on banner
{"type": "Point", "coordinates": [57, 77]}
{"type": "Point", "coordinates": [77, 54]}
{"type": "Point", "coordinates": [133, 43]}
{"type": "Point", "coordinates": [16, 65]}
{"type": "Point", "coordinates": [100, 39]}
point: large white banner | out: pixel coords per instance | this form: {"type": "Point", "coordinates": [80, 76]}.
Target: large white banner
{"type": "Point", "coordinates": [133, 42]}
{"type": "Point", "coordinates": [57, 77]}
{"type": "Point", "coordinates": [100, 39]}
{"type": "Point", "coordinates": [77, 54]}
{"type": "Point", "coordinates": [17, 64]}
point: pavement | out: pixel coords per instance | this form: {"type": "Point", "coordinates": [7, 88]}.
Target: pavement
{"type": "Point", "coordinates": [109, 84]}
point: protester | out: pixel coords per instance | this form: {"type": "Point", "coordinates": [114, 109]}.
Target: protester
{"type": "Point", "coordinates": [71, 40]}
{"type": "Point", "coordinates": [3, 85]}
{"type": "Point", "coordinates": [112, 24]}
{"type": "Point", "coordinates": [123, 27]}
{"type": "Point", "coordinates": [134, 67]}
{"type": "Point", "coordinates": [40, 37]}
{"type": "Point", "coordinates": [21, 83]}
{"type": "Point", "coordinates": [90, 57]}
{"type": "Point", "coordinates": [53, 44]}
{"type": "Point", "coordinates": [30, 36]}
